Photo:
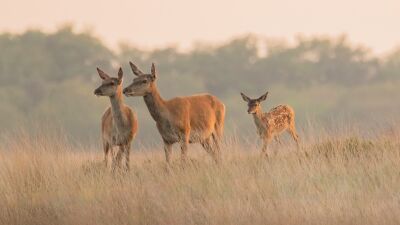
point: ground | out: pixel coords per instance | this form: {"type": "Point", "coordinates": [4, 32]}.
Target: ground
{"type": "Point", "coordinates": [332, 179]}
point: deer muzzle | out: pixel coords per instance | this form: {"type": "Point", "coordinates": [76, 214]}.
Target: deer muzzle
{"type": "Point", "coordinates": [97, 92]}
{"type": "Point", "coordinates": [129, 93]}
{"type": "Point", "coordinates": [125, 91]}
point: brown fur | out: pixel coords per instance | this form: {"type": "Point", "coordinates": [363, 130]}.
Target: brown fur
{"type": "Point", "coordinates": [273, 123]}
{"type": "Point", "coordinates": [192, 119]}
{"type": "Point", "coordinates": [119, 122]}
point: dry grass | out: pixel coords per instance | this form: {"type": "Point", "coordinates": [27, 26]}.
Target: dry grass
{"type": "Point", "coordinates": [343, 179]}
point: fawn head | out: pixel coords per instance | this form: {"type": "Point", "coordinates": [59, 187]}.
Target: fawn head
{"type": "Point", "coordinates": [110, 85]}
{"type": "Point", "coordinates": [254, 104]}
{"type": "Point", "coordinates": [143, 84]}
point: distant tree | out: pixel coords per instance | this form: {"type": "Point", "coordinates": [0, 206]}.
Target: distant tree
{"type": "Point", "coordinates": [35, 55]}
{"type": "Point", "coordinates": [319, 60]}
{"type": "Point", "coordinates": [77, 54]}
{"type": "Point", "coordinates": [391, 66]}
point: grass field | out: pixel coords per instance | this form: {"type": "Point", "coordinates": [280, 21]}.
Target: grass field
{"type": "Point", "coordinates": [343, 178]}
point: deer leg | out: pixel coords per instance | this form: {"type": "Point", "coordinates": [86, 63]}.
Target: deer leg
{"type": "Point", "coordinates": [207, 146]}
{"type": "Point", "coordinates": [264, 149]}
{"type": "Point", "coordinates": [114, 163]}
{"type": "Point", "coordinates": [119, 155]}
{"type": "Point", "coordinates": [293, 133]}
{"type": "Point", "coordinates": [168, 152]}
{"type": "Point", "coordinates": [217, 149]}
{"type": "Point", "coordinates": [127, 152]}
{"type": "Point", "coordinates": [266, 141]}
{"type": "Point", "coordinates": [278, 140]}
{"type": "Point", "coordinates": [106, 148]}
{"type": "Point", "coordinates": [118, 158]}
{"type": "Point", "coordinates": [113, 158]}
{"type": "Point", "coordinates": [184, 147]}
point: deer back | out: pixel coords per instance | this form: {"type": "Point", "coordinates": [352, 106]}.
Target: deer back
{"type": "Point", "coordinates": [279, 118]}
{"type": "Point", "coordinates": [195, 114]}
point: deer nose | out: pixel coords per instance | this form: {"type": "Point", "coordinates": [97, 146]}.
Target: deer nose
{"type": "Point", "coordinates": [125, 90]}
{"type": "Point", "coordinates": [97, 92]}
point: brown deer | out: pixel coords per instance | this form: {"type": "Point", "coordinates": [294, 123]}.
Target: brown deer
{"type": "Point", "coordinates": [119, 123]}
{"type": "Point", "coordinates": [192, 119]}
{"type": "Point", "coordinates": [273, 123]}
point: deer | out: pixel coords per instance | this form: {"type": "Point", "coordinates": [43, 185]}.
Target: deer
{"type": "Point", "coordinates": [184, 120]}
{"type": "Point", "coordinates": [271, 124]}
{"type": "Point", "coordinates": [118, 123]}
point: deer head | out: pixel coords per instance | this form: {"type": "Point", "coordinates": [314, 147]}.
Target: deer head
{"type": "Point", "coordinates": [143, 84]}
{"type": "Point", "coordinates": [110, 85]}
{"type": "Point", "coordinates": [254, 104]}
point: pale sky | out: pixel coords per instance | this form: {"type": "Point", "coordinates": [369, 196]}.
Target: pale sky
{"type": "Point", "coordinates": [157, 23]}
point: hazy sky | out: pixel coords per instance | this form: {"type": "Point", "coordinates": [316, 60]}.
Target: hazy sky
{"type": "Point", "coordinates": [156, 23]}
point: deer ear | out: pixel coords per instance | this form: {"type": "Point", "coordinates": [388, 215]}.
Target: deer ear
{"type": "Point", "coordinates": [153, 71]}
{"type": "Point", "coordinates": [102, 74]}
{"type": "Point", "coordinates": [120, 75]}
{"type": "Point", "coordinates": [135, 69]}
{"type": "Point", "coordinates": [263, 97]}
{"type": "Point", "coordinates": [245, 98]}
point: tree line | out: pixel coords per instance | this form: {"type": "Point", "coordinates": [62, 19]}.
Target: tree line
{"type": "Point", "coordinates": [50, 77]}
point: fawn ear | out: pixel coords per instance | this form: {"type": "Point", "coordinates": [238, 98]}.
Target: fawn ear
{"type": "Point", "coordinates": [153, 71]}
{"type": "Point", "coordinates": [245, 98]}
{"type": "Point", "coordinates": [120, 75]}
{"type": "Point", "coordinates": [102, 74]}
{"type": "Point", "coordinates": [263, 97]}
{"type": "Point", "coordinates": [135, 69]}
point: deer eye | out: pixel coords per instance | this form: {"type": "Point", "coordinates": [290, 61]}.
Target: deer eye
{"type": "Point", "coordinates": [145, 81]}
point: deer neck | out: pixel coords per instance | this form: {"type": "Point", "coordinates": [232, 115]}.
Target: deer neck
{"type": "Point", "coordinates": [156, 105]}
{"type": "Point", "coordinates": [258, 116]}
{"type": "Point", "coordinates": [117, 109]}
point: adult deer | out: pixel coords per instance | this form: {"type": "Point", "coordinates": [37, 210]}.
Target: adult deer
{"type": "Point", "coordinates": [271, 124]}
{"type": "Point", "coordinates": [192, 119]}
{"type": "Point", "coordinates": [119, 123]}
